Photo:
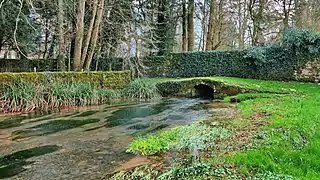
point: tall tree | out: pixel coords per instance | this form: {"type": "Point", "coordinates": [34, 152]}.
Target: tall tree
{"type": "Point", "coordinates": [256, 9]}
{"type": "Point", "coordinates": [191, 9]}
{"type": "Point", "coordinates": [95, 34]}
{"type": "Point", "coordinates": [211, 27]}
{"type": "Point", "coordinates": [61, 50]}
{"type": "Point", "coordinates": [184, 25]}
{"type": "Point", "coordinates": [79, 35]}
{"type": "Point", "coordinates": [89, 31]}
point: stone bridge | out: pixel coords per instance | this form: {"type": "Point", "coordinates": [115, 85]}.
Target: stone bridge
{"type": "Point", "coordinates": [203, 88]}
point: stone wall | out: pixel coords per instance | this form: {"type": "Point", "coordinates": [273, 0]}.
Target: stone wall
{"type": "Point", "coordinates": [309, 72]}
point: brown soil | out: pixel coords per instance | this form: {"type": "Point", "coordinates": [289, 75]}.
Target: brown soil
{"type": "Point", "coordinates": [134, 162]}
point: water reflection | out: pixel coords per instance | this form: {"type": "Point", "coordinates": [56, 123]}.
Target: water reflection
{"type": "Point", "coordinates": [12, 164]}
{"type": "Point", "coordinates": [50, 128]}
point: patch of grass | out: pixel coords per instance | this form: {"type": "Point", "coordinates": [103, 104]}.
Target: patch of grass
{"type": "Point", "coordinates": [154, 144]}
{"type": "Point", "coordinates": [185, 138]}
{"type": "Point", "coordinates": [292, 134]}
{"type": "Point", "coordinates": [141, 89]}
{"type": "Point", "coordinates": [107, 95]}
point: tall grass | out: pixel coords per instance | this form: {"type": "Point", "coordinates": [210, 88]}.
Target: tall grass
{"type": "Point", "coordinates": [25, 96]}
{"type": "Point", "coordinates": [140, 89]}
{"type": "Point", "coordinates": [18, 96]}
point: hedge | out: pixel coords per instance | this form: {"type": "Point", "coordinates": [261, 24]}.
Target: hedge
{"type": "Point", "coordinates": [42, 65]}
{"type": "Point", "coordinates": [112, 80]}
{"type": "Point", "coordinates": [275, 62]}
{"type": "Point", "coordinates": [27, 65]}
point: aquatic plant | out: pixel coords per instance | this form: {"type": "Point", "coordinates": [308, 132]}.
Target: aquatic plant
{"type": "Point", "coordinates": [141, 90]}
{"type": "Point", "coordinates": [18, 96]}
{"type": "Point", "coordinates": [107, 95]}
{"type": "Point", "coordinates": [23, 96]}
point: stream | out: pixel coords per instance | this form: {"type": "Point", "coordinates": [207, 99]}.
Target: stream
{"type": "Point", "coordinates": [87, 143]}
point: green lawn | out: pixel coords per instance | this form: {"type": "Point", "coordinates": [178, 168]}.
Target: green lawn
{"type": "Point", "coordinates": [292, 133]}
{"type": "Point", "coordinates": [288, 142]}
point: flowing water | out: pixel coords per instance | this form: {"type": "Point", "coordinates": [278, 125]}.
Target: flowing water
{"type": "Point", "coordinates": [85, 143]}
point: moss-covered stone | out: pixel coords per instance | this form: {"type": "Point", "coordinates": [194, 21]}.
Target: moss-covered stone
{"type": "Point", "coordinates": [186, 88]}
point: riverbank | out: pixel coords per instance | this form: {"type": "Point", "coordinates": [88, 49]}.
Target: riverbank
{"type": "Point", "coordinates": [45, 93]}
{"type": "Point", "coordinates": [275, 135]}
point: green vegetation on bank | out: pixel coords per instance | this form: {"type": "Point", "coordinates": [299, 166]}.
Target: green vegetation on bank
{"type": "Point", "coordinates": [141, 89]}
{"type": "Point", "coordinates": [186, 138]}
{"type": "Point", "coordinates": [26, 96]}
{"type": "Point", "coordinates": [282, 128]}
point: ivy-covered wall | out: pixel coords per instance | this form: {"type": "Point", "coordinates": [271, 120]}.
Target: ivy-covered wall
{"type": "Point", "coordinates": [112, 80]}
{"type": "Point", "coordinates": [42, 65]}
{"type": "Point", "coordinates": [271, 62]}
{"type": "Point", "coordinates": [279, 61]}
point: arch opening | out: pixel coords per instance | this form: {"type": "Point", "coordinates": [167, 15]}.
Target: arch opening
{"type": "Point", "coordinates": [204, 91]}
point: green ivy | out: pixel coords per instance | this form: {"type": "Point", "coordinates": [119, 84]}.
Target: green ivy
{"type": "Point", "coordinates": [277, 61]}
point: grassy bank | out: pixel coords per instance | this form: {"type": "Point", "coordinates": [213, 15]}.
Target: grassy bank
{"type": "Point", "coordinates": [25, 96]}
{"type": "Point", "coordinates": [275, 135]}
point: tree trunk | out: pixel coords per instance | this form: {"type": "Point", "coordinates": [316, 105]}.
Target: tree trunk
{"type": "Point", "coordinates": [190, 25]}
{"type": "Point", "coordinates": [61, 49]}
{"type": "Point", "coordinates": [184, 26]}
{"type": "Point", "coordinates": [79, 36]}
{"type": "Point", "coordinates": [89, 34]}
{"type": "Point", "coordinates": [298, 8]}
{"type": "Point", "coordinates": [95, 34]}
{"type": "Point", "coordinates": [46, 37]}
{"type": "Point", "coordinates": [257, 20]}
{"type": "Point", "coordinates": [210, 36]}
{"type": "Point", "coordinates": [286, 13]}
{"type": "Point", "coordinates": [161, 28]}
{"type": "Point", "coordinates": [243, 22]}
{"type": "Point", "coordinates": [204, 26]}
